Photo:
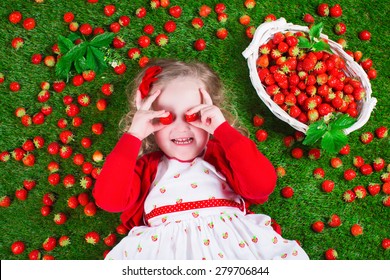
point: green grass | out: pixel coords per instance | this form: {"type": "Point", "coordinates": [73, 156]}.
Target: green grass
{"type": "Point", "coordinates": [22, 220]}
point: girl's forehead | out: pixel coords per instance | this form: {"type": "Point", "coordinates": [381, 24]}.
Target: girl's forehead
{"type": "Point", "coordinates": [180, 90]}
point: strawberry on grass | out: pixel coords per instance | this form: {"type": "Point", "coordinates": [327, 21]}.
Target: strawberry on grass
{"type": "Point", "coordinates": [92, 237]}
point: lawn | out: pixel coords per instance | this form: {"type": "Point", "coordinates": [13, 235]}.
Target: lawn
{"type": "Point", "coordinates": [23, 221]}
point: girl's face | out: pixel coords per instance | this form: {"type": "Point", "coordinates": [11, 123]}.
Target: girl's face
{"type": "Point", "coordinates": [180, 139]}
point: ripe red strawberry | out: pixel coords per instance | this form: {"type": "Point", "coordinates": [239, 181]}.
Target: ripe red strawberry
{"type": "Point", "coordinates": [49, 199]}
{"type": "Point", "coordinates": [53, 179]}
{"type": "Point", "coordinates": [49, 244]}
{"type": "Point", "coordinates": [66, 136]}
{"type": "Point", "coordinates": [60, 218]}
{"type": "Point", "coordinates": [336, 11]}
{"type": "Point", "coordinates": [28, 145]}
{"type": "Point", "coordinates": [64, 241]}
{"type": "Point", "coordinates": [280, 171]}
{"type": "Point", "coordinates": [29, 23]}
{"type": "Point", "coordinates": [386, 188]}
{"type": "Point", "coordinates": [364, 35]}
{"type": "Point", "coordinates": [175, 11]}
{"type": "Point", "coordinates": [107, 89]}
{"type": "Point", "coordinates": [197, 23]}
{"type": "Point", "coordinates": [120, 68]}
{"type": "Point", "coordinates": [334, 221]}
{"type": "Point", "coordinates": [249, 31]}
{"type": "Point", "coordinates": [349, 196]}
{"type": "Point", "coordinates": [319, 173]}
{"type": "Point", "coordinates": [386, 201]}
{"type": "Point", "coordinates": [258, 120]}
{"type": "Point", "coordinates": [5, 201]}
{"type": "Point", "coordinates": [78, 80]}
{"type": "Point", "coordinates": [314, 154]}
{"type": "Point", "coordinates": [385, 177]}
{"type": "Point", "coordinates": [65, 151]}
{"type": "Point", "coordinates": [317, 226]}
{"type": "Point", "coordinates": [204, 10]}
{"type": "Point", "coordinates": [308, 18]}
{"type": "Point", "coordinates": [97, 128]}
{"type": "Point", "coordinates": [53, 167]}
{"type": "Point", "coordinates": [327, 186]}
{"type": "Point", "coordinates": [358, 161]}
{"type": "Point", "coordinates": [345, 150]}
{"type": "Point", "coordinates": [69, 181]}
{"type": "Point", "coordinates": [263, 61]}
{"type": "Point", "coordinates": [110, 239]}
{"type": "Point", "coordinates": [90, 209]}
{"type": "Point", "coordinates": [18, 154]}
{"type": "Point", "coordinates": [331, 254]}
{"type": "Point", "coordinates": [36, 58]}
{"type": "Point", "coordinates": [85, 29]}
{"type": "Point", "coordinates": [200, 44]}
{"type": "Point", "coordinates": [122, 229]}
{"type": "Point", "coordinates": [68, 17]}
{"type": "Point", "coordinates": [109, 10]}
{"type": "Point", "coordinates": [323, 9]}
{"type": "Point", "coordinates": [18, 247]}
{"type": "Point", "coordinates": [133, 53]}
{"type": "Point", "coordinates": [15, 17]}
{"type": "Point", "coordinates": [385, 243]}
{"type": "Point", "coordinates": [38, 141]}
{"type": "Point", "coordinates": [381, 132]}
{"type": "Point", "coordinates": [14, 86]}
{"type": "Point", "coordinates": [59, 86]}
{"type": "Point", "coordinates": [101, 104]}
{"type": "Point", "coordinates": [38, 118]}
{"type": "Point", "coordinates": [86, 181]}
{"type": "Point", "coordinates": [29, 184]}
{"type": "Point", "coordinates": [221, 33]}
{"type": "Point", "coordinates": [297, 153]}
{"type": "Point", "coordinates": [287, 192]}
{"type": "Point", "coordinates": [140, 12]}
{"type": "Point", "coordinates": [77, 121]}
{"type": "Point", "coordinates": [373, 188]}
{"type": "Point", "coordinates": [155, 4]}
{"type": "Point", "coordinates": [89, 75]}
{"type": "Point", "coordinates": [124, 21]}
{"type": "Point", "coordinates": [34, 255]}
{"type": "Point", "coordinates": [49, 61]}
{"type": "Point", "coordinates": [219, 8]}
{"type": "Point", "coordinates": [161, 40]}
{"type": "Point", "coordinates": [83, 198]}
{"type": "Point", "coordinates": [45, 210]}
{"type": "Point", "coordinates": [170, 26]}
{"type": "Point", "coordinates": [46, 109]}
{"type": "Point", "coordinates": [84, 99]}
{"type": "Point", "coordinates": [261, 135]}
{"type": "Point", "coordinates": [164, 3]}
{"type": "Point", "coordinates": [192, 117]}
{"type": "Point", "coordinates": [86, 142]}
{"type": "Point", "coordinates": [53, 148]}
{"type": "Point", "coordinates": [92, 237]}
{"type": "Point", "coordinates": [73, 202]}
{"type": "Point", "coordinates": [366, 169]}
{"type": "Point", "coordinates": [28, 160]}
{"type": "Point", "coordinates": [269, 17]}
{"type": "Point", "coordinates": [167, 120]}
{"type": "Point", "coordinates": [72, 110]}
{"type": "Point", "coordinates": [360, 191]}
{"type": "Point", "coordinates": [349, 174]}
{"type": "Point", "coordinates": [340, 28]}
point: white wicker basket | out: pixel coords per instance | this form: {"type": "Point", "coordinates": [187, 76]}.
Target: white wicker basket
{"type": "Point", "coordinates": [264, 33]}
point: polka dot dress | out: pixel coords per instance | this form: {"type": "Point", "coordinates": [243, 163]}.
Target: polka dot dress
{"type": "Point", "coordinates": [191, 213]}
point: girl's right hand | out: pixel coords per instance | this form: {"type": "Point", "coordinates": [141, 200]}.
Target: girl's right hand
{"type": "Point", "coordinates": [144, 123]}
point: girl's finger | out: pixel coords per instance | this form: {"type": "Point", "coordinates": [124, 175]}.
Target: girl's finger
{"type": "Point", "coordinates": [196, 109]}
{"type": "Point", "coordinates": [138, 99]}
{"type": "Point", "coordinates": [206, 97]}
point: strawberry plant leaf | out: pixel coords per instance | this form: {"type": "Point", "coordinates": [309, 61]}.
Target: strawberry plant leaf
{"type": "Point", "coordinates": [76, 52]}
{"type": "Point", "coordinates": [315, 132]}
{"type": "Point", "coordinates": [342, 122]}
{"type": "Point", "coordinates": [304, 42]}
{"type": "Point", "coordinates": [315, 31]}
{"type": "Point", "coordinates": [64, 44]}
{"type": "Point", "coordinates": [321, 46]}
{"type": "Point", "coordinates": [81, 64]}
{"type": "Point", "coordinates": [73, 36]}
{"type": "Point", "coordinates": [91, 62]}
{"type": "Point", "coordinates": [102, 40]}
{"type": "Point", "coordinates": [63, 67]}
{"type": "Point", "coordinates": [96, 57]}
{"type": "Point", "coordinates": [333, 141]}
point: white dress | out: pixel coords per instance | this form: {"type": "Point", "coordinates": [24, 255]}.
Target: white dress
{"type": "Point", "coordinates": [223, 232]}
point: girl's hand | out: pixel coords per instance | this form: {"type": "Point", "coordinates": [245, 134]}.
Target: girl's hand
{"type": "Point", "coordinates": [210, 116]}
{"type": "Point", "coordinates": [143, 121]}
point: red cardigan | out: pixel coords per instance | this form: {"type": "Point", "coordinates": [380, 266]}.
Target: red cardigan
{"type": "Point", "coordinates": [124, 181]}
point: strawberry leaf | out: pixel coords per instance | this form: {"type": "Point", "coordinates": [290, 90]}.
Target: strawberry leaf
{"type": "Point", "coordinates": [64, 44]}
{"type": "Point", "coordinates": [96, 57]}
{"type": "Point", "coordinates": [315, 31]}
{"type": "Point", "coordinates": [102, 40]}
{"type": "Point", "coordinates": [63, 67]}
{"type": "Point", "coordinates": [333, 141]}
{"type": "Point", "coordinates": [304, 42]}
{"type": "Point", "coordinates": [81, 64]}
{"type": "Point", "coordinates": [342, 121]}
{"type": "Point", "coordinates": [321, 46]}
{"type": "Point", "coordinates": [315, 132]}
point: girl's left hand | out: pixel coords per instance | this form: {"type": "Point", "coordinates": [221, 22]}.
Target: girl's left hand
{"type": "Point", "coordinates": [210, 115]}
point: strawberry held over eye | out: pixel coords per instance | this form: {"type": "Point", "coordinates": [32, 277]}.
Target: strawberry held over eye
{"type": "Point", "coordinates": [191, 118]}
{"type": "Point", "coordinates": [166, 120]}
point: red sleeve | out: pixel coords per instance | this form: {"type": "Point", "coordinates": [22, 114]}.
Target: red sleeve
{"type": "Point", "coordinates": [118, 184]}
{"type": "Point", "coordinates": [253, 175]}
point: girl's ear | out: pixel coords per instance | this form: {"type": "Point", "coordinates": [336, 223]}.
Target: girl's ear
{"type": "Point", "coordinates": [138, 99]}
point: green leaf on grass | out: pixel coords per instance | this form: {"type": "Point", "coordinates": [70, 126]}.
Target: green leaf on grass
{"type": "Point", "coordinates": [64, 44]}
{"type": "Point", "coordinates": [81, 64]}
{"type": "Point", "coordinates": [96, 56]}
{"type": "Point", "coordinates": [315, 132]}
{"type": "Point", "coordinates": [102, 40]}
{"type": "Point", "coordinates": [63, 67]}
{"type": "Point", "coordinates": [315, 31]}
{"type": "Point", "coordinates": [342, 122]}
{"type": "Point", "coordinates": [304, 42]}
{"type": "Point", "coordinates": [333, 141]}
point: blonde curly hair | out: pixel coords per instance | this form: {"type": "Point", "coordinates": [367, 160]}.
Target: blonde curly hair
{"type": "Point", "coordinates": [173, 69]}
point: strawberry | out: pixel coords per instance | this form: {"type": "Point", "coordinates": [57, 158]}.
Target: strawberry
{"type": "Point", "coordinates": [219, 8]}
{"type": "Point", "coordinates": [89, 75]}
{"type": "Point", "coordinates": [86, 142]}
{"type": "Point", "coordinates": [18, 247]}
{"type": "Point", "coordinates": [366, 137]}
{"type": "Point", "coordinates": [133, 53]}
{"type": "Point", "coordinates": [5, 201]}
{"type": "Point", "coordinates": [18, 154]}
{"type": "Point", "coordinates": [349, 196]}
{"type": "Point", "coordinates": [250, 31]}
{"type": "Point", "coordinates": [101, 104]}
{"type": "Point", "coordinates": [38, 118]}
{"type": "Point", "coordinates": [84, 99]}
{"type": "Point", "coordinates": [245, 20]}
{"type": "Point", "coordinates": [83, 199]}
{"type": "Point", "coordinates": [161, 40]}
{"type": "Point", "coordinates": [250, 4]}
{"type": "Point", "coordinates": [385, 243]}
{"type": "Point", "coordinates": [334, 221]}
{"type": "Point", "coordinates": [124, 21]}
{"type": "Point", "coordinates": [349, 174]}
{"type": "Point", "coordinates": [68, 17]}
{"type": "Point", "coordinates": [269, 17]}
{"type": "Point", "coordinates": [280, 171]}
{"type": "Point", "coordinates": [65, 151]}
{"type": "Point", "coordinates": [314, 154]}
{"type": "Point", "coordinates": [29, 23]}
{"type": "Point", "coordinates": [262, 61]}
{"type": "Point", "coordinates": [221, 33]}
{"type": "Point", "coordinates": [118, 42]}
{"type": "Point", "coordinates": [72, 110]}
{"type": "Point", "coordinates": [45, 210]}
{"type": "Point", "coordinates": [155, 4]}
{"type": "Point", "coordinates": [90, 209]}
{"type": "Point", "coordinates": [78, 80]}
{"type": "Point", "coordinates": [164, 3]}
{"type": "Point", "coordinates": [175, 11]}
{"type": "Point", "coordinates": [77, 121]}
{"type": "Point", "coordinates": [34, 255]}
{"type": "Point", "coordinates": [364, 35]}
{"type": "Point", "coordinates": [261, 135]}
{"type": "Point", "coordinates": [331, 254]}
{"type": "Point", "coordinates": [323, 9]}
{"type": "Point", "coordinates": [49, 244]}
{"type": "Point", "coordinates": [122, 229]}
{"type": "Point", "coordinates": [297, 153]}
{"type": "Point", "coordinates": [49, 199]}
{"type": "Point", "coordinates": [200, 44]}
{"type": "Point", "coordinates": [340, 28]}
{"type": "Point", "coordinates": [21, 194]}
{"type": "Point", "coordinates": [366, 169]}
{"type": "Point", "coordinates": [43, 96]}
{"type": "Point", "coordinates": [86, 181]}
{"type": "Point", "coordinates": [20, 112]}
{"type": "Point", "coordinates": [110, 239]}
{"type": "Point", "coordinates": [109, 10]}
{"type": "Point", "coordinates": [373, 188]}
{"type": "Point", "coordinates": [53, 179]}
{"type": "Point", "coordinates": [28, 145]}
{"type": "Point", "coordinates": [381, 132]}
{"type": "Point", "coordinates": [59, 86]}
{"type": "Point", "coordinates": [308, 18]}
{"type": "Point", "coordinates": [378, 164]}
{"type": "Point", "coordinates": [60, 218]}
{"type": "Point", "coordinates": [197, 23]}
{"type": "Point", "coordinates": [319, 173]}
{"type": "Point", "coordinates": [120, 68]}
{"type": "Point", "coordinates": [360, 192]}
{"type": "Point", "coordinates": [97, 128]}
{"type": "Point", "coordinates": [385, 177]}
{"type": "Point", "coordinates": [64, 241]}
{"type": "Point", "coordinates": [386, 201]}
{"type": "Point", "coordinates": [317, 226]}
{"type": "Point", "coordinates": [53, 148]}
{"type": "Point", "coordinates": [85, 29]}
{"type": "Point", "coordinates": [36, 58]}
{"type": "Point", "coordinates": [287, 192]}
{"type": "Point", "coordinates": [386, 188]}
{"type": "Point", "coordinates": [327, 186]}
{"type": "Point", "coordinates": [29, 184]}
{"type": "Point", "coordinates": [258, 120]}
{"type": "Point", "coordinates": [140, 12]}
{"type": "Point", "coordinates": [15, 17]}
{"type": "Point", "coordinates": [204, 10]}
{"type": "Point", "coordinates": [69, 181]}
{"type": "Point", "coordinates": [14, 86]}
{"type": "Point", "coordinates": [49, 61]}
{"type": "Point", "coordinates": [73, 202]}
{"type": "Point", "coordinates": [38, 141]}
{"type": "Point", "coordinates": [191, 118]}
{"type": "Point", "coordinates": [92, 237]}
{"type": "Point", "coordinates": [28, 160]}
{"type": "Point", "coordinates": [336, 11]}
{"type": "Point", "coordinates": [170, 26]}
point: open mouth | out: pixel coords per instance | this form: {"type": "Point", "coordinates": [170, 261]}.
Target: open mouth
{"type": "Point", "coordinates": [183, 141]}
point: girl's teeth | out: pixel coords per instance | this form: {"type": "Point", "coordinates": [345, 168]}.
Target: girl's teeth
{"type": "Point", "coordinates": [182, 141]}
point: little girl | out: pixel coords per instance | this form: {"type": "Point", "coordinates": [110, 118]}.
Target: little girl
{"type": "Point", "coordinates": [183, 177]}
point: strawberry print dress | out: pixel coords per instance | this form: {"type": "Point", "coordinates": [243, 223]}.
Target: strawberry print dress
{"type": "Point", "coordinates": [192, 214]}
